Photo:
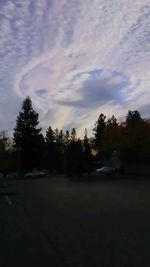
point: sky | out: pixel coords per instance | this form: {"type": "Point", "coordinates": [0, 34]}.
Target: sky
{"type": "Point", "coordinates": [75, 59]}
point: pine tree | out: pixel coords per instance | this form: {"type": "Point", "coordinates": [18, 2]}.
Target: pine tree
{"type": "Point", "coordinates": [51, 150]}
{"type": "Point", "coordinates": [3, 141]}
{"type": "Point", "coordinates": [61, 137]}
{"type": "Point", "coordinates": [111, 122]}
{"type": "Point", "coordinates": [134, 127]}
{"type": "Point", "coordinates": [61, 141]}
{"type": "Point", "coordinates": [85, 139]}
{"type": "Point", "coordinates": [73, 134]}
{"type": "Point", "coordinates": [56, 135]}
{"type": "Point", "coordinates": [67, 138]}
{"type": "Point", "coordinates": [99, 128]}
{"type": "Point", "coordinates": [133, 119]}
{"type": "Point", "coordinates": [27, 137]}
{"type": "Point", "coordinates": [111, 135]}
{"type": "Point", "coordinates": [49, 135]}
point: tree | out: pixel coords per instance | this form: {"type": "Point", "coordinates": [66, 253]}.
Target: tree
{"type": "Point", "coordinates": [51, 150]}
{"type": "Point", "coordinates": [3, 141]}
{"type": "Point", "coordinates": [98, 130]}
{"type": "Point", "coordinates": [49, 135]}
{"type": "Point", "coordinates": [73, 157]}
{"type": "Point", "coordinates": [27, 137]}
{"type": "Point", "coordinates": [73, 134]}
{"type": "Point", "coordinates": [85, 138]}
{"type": "Point", "coordinates": [4, 152]}
{"type": "Point", "coordinates": [134, 135]}
{"type": "Point", "coordinates": [67, 138]}
{"type": "Point", "coordinates": [56, 135]}
{"type": "Point", "coordinates": [87, 154]}
{"type": "Point", "coordinates": [110, 138]}
{"type": "Point", "coordinates": [111, 122]}
{"type": "Point", "coordinates": [133, 118]}
{"type": "Point", "coordinates": [60, 140]}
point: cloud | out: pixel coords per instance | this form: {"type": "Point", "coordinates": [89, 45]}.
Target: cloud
{"type": "Point", "coordinates": [74, 57]}
{"type": "Point", "coordinates": [41, 92]}
{"type": "Point", "coordinates": [98, 87]}
{"type": "Point", "coordinates": [145, 110]}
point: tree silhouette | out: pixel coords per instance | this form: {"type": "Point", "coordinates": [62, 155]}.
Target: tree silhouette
{"type": "Point", "coordinates": [73, 158]}
{"type": "Point", "coordinates": [111, 135]}
{"type": "Point", "coordinates": [49, 135]}
{"type": "Point", "coordinates": [73, 134]}
{"type": "Point", "coordinates": [98, 130]}
{"type": "Point", "coordinates": [67, 138]}
{"type": "Point", "coordinates": [111, 122]}
{"type": "Point", "coordinates": [51, 151]}
{"type": "Point", "coordinates": [61, 141]}
{"type": "Point", "coordinates": [87, 154]}
{"type": "Point", "coordinates": [27, 138]}
{"type": "Point", "coordinates": [135, 135]}
{"type": "Point", "coordinates": [133, 119]}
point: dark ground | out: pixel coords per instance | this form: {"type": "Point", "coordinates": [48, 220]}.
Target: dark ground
{"type": "Point", "coordinates": [56, 222]}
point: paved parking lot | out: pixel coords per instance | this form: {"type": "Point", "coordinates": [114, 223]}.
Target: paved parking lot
{"type": "Point", "coordinates": [61, 223]}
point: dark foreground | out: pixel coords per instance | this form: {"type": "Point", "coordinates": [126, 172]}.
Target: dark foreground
{"type": "Point", "coordinates": [55, 222]}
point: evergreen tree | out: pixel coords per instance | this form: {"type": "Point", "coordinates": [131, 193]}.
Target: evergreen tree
{"type": "Point", "coordinates": [73, 134]}
{"type": "Point", "coordinates": [61, 141]}
{"type": "Point", "coordinates": [61, 137]}
{"type": "Point", "coordinates": [56, 135]}
{"type": "Point", "coordinates": [67, 138]}
{"type": "Point", "coordinates": [27, 137]}
{"type": "Point", "coordinates": [87, 154]}
{"type": "Point", "coordinates": [3, 141]}
{"type": "Point", "coordinates": [73, 157]}
{"type": "Point", "coordinates": [85, 139]}
{"type": "Point", "coordinates": [134, 138]}
{"type": "Point", "coordinates": [51, 150]}
{"type": "Point", "coordinates": [111, 135]}
{"type": "Point", "coordinates": [111, 122]}
{"type": "Point", "coordinates": [49, 135]}
{"type": "Point", "coordinates": [99, 128]}
{"type": "Point", "coordinates": [55, 146]}
{"type": "Point", "coordinates": [133, 119]}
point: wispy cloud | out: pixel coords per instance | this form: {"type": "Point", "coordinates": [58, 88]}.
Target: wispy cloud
{"type": "Point", "coordinates": [74, 58]}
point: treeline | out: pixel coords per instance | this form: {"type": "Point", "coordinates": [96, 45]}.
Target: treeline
{"type": "Point", "coordinates": [57, 151]}
{"type": "Point", "coordinates": [131, 137]}
{"type": "Point", "coordinates": [60, 151]}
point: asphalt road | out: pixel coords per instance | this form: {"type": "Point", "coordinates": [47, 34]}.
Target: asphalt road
{"type": "Point", "coordinates": [55, 222]}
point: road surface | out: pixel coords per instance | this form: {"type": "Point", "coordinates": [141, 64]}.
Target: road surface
{"type": "Point", "coordinates": [56, 222]}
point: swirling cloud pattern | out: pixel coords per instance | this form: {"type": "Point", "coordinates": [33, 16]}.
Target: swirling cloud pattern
{"type": "Point", "coordinates": [75, 59]}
